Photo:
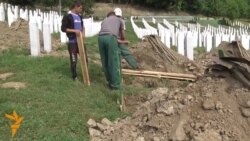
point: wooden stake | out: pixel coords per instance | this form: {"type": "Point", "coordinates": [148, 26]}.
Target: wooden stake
{"type": "Point", "coordinates": [160, 76]}
{"type": "Point", "coordinates": [83, 59]}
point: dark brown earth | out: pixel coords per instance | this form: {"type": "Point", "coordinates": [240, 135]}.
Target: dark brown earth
{"type": "Point", "coordinates": [214, 108]}
{"type": "Point", "coordinates": [17, 36]}
{"type": "Point", "coordinates": [150, 58]}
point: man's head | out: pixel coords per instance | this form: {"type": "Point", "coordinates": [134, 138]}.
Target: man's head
{"type": "Point", "coordinates": [112, 13]}
{"type": "Point", "coordinates": [118, 12]}
{"type": "Point", "coordinates": [77, 7]}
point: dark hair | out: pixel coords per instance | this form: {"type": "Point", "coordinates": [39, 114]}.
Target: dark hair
{"type": "Point", "coordinates": [76, 3]}
{"type": "Point", "coordinates": [111, 13]}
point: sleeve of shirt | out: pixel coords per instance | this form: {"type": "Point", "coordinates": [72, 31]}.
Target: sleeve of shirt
{"type": "Point", "coordinates": [124, 25]}
{"type": "Point", "coordinates": [64, 23]}
{"type": "Point", "coordinates": [122, 33]}
{"type": "Point", "coordinates": [121, 25]}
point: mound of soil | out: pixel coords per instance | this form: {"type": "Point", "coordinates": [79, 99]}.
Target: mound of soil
{"type": "Point", "coordinates": [207, 59]}
{"type": "Point", "coordinates": [152, 54]}
{"type": "Point", "coordinates": [12, 36]}
{"type": "Point", "coordinates": [18, 36]}
{"type": "Point", "coordinates": [214, 108]}
{"type": "Point", "coordinates": [211, 109]}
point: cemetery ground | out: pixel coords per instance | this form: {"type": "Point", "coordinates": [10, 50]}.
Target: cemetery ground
{"type": "Point", "coordinates": [56, 108]}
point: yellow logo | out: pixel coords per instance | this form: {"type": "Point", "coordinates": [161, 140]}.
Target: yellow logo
{"type": "Point", "coordinates": [17, 122]}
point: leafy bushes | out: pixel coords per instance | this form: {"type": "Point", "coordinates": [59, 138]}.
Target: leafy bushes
{"type": "Point", "coordinates": [225, 8]}
{"type": "Point", "coordinates": [52, 3]}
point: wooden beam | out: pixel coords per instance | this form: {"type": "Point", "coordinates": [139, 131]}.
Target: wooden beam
{"type": "Point", "coordinates": [160, 73]}
{"type": "Point", "coordinates": [145, 73]}
{"type": "Point", "coordinates": [83, 59]}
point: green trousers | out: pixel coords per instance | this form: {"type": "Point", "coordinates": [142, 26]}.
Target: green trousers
{"type": "Point", "coordinates": [110, 58]}
{"type": "Point", "coordinates": [126, 54]}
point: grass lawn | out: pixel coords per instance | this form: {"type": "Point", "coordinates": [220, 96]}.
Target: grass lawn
{"type": "Point", "coordinates": [214, 23]}
{"type": "Point", "coordinates": [54, 107]}
{"type": "Point", "coordinates": [152, 24]}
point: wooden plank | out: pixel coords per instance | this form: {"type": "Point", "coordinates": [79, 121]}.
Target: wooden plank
{"type": "Point", "coordinates": [160, 76]}
{"type": "Point", "coordinates": [161, 73]}
{"type": "Point", "coordinates": [239, 47]}
{"type": "Point", "coordinates": [83, 59]}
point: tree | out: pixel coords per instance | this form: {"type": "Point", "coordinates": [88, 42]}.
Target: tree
{"type": "Point", "coordinates": [226, 8]}
{"type": "Point", "coordinates": [20, 2]}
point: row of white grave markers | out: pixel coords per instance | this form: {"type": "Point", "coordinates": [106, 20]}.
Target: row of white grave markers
{"type": "Point", "coordinates": [238, 23]}
{"type": "Point", "coordinates": [92, 28]}
{"type": "Point", "coordinates": [164, 33]}
{"type": "Point", "coordinates": [172, 31]}
{"type": "Point", "coordinates": [186, 38]}
{"type": "Point", "coordinates": [47, 23]}
{"type": "Point", "coordinates": [149, 27]}
{"type": "Point", "coordinates": [140, 32]}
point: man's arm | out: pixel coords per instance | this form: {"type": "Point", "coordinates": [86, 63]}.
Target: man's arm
{"type": "Point", "coordinates": [122, 41]}
{"type": "Point", "coordinates": [69, 30]}
{"type": "Point", "coordinates": [122, 34]}
{"type": "Point", "coordinates": [122, 31]}
{"type": "Point", "coordinates": [64, 23]}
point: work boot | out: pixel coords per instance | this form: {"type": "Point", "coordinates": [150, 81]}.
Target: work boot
{"type": "Point", "coordinates": [112, 87]}
{"type": "Point", "coordinates": [75, 79]}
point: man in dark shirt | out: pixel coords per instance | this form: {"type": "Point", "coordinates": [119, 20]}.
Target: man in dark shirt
{"type": "Point", "coordinates": [72, 24]}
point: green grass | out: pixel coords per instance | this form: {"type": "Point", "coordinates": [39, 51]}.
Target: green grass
{"type": "Point", "coordinates": [139, 24]}
{"type": "Point", "coordinates": [152, 24]}
{"type": "Point", "coordinates": [56, 35]}
{"type": "Point", "coordinates": [214, 23]}
{"type": "Point", "coordinates": [200, 50]}
{"type": "Point", "coordinates": [130, 35]}
{"type": "Point", "coordinates": [54, 107]}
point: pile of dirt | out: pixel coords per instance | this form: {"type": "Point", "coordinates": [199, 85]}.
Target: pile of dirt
{"type": "Point", "coordinates": [152, 54]}
{"type": "Point", "coordinates": [17, 35]}
{"type": "Point", "coordinates": [206, 59]}
{"type": "Point", "coordinates": [214, 108]}
{"type": "Point", "coordinates": [211, 109]}
{"type": "Point", "coordinates": [228, 58]}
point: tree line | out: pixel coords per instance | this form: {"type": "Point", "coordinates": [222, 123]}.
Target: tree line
{"type": "Point", "coordinates": [224, 8]}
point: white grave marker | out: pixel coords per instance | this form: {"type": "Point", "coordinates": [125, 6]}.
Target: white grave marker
{"type": "Point", "coordinates": [47, 35]}
{"type": "Point", "coordinates": [34, 38]}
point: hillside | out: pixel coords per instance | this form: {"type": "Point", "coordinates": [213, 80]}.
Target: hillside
{"type": "Point", "coordinates": [101, 9]}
